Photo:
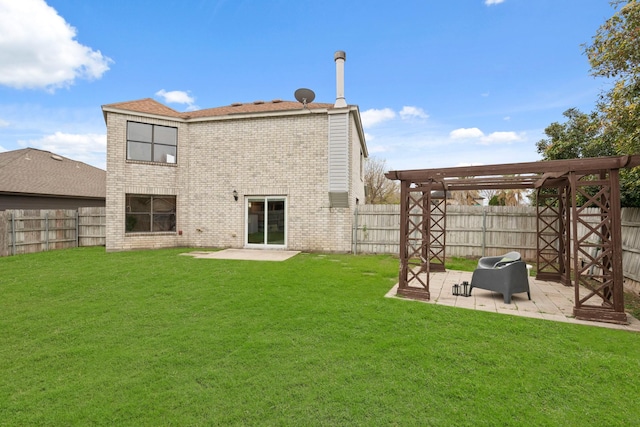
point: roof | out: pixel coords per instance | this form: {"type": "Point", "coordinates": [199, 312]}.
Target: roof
{"type": "Point", "coordinates": [33, 171]}
{"type": "Point", "coordinates": [151, 106]}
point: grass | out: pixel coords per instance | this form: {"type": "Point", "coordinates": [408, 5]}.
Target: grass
{"type": "Point", "coordinates": [153, 338]}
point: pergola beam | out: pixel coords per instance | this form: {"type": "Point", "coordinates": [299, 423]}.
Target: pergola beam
{"type": "Point", "coordinates": [587, 166]}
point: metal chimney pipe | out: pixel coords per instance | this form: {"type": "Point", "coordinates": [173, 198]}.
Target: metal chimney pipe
{"type": "Point", "coordinates": [340, 56]}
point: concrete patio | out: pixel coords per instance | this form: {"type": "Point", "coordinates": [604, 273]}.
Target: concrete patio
{"type": "Point", "coordinates": [549, 300]}
{"type": "Point", "coordinates": [245, 254]}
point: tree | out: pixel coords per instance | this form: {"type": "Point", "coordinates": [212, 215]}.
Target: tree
{"type": "Point", "coordinates": [615, 54]}
{"type": "Point", "coordinates": [580, 136]}
{"type": "Point", "coordinates": [380, 189]}
{"type": "Point", "coordinates": [614, 127]}
{"type": "Point", "coordinates": [511, 197]}
{"type": "Point", "coordinates": [488, 194]}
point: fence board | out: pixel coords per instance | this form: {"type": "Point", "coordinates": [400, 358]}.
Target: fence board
{"type": "Point", "coordinates": [631, 243]}
{"type": "Point", "coordinates": [28, 230]}
{"type": "Point", "coordinates": [475, 231]}
{"type": "Point", "coordinates": [5, 218]}
{"type": "Point", "coordinates": [92, 224]}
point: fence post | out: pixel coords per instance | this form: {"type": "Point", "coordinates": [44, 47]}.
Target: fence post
{"type": "Point", "coordinates": [355, 231]}
{"type": "Point", "coordinates": [78, 228]}
{"type": "Point", "coordinates": [46, 231]}
{"type": "Point", "coordinates": [13, 233]}
{"type": "Point", "coordinates": [484, 230]}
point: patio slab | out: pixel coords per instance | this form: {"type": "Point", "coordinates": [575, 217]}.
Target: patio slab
{"type": "Point", "coordinates": [245, 254]}
{"type": "Point", "coordinates": [549, 300]}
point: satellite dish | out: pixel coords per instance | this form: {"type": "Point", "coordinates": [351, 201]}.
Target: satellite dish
{"type": "Point", "coordinates": [304, 96]}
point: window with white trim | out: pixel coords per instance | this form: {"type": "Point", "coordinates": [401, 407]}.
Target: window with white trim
{"type": "Point", "coordinates": [152, 143]}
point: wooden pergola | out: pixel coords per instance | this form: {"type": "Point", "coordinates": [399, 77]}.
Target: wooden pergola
{"type": "Point", "coordinates": [572, 195]}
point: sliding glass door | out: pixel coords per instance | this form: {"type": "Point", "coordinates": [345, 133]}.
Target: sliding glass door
{"type": "Point", "coordinates": [266, 221]}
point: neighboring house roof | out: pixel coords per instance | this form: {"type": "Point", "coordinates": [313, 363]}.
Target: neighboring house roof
{"type": "Point", "coordinates": [151, 106]}
{"type": "Point", "coordinates": [32, 171]}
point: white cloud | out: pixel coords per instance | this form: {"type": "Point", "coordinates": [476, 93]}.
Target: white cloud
{"type": "Point", "coordinates": [500, 138]}
{"type": "Point", "coordinates": [492, 138]}
{"type": "Point", "coordinates": [492, 2]}
{"type": "Point", "coordinates": [89, 148]}
{"type": "Point", "coordinates": [178, 97]}
{"type": "Point", "coordinates": [373, 117]}
{"type": "Point", "coordinates": [466, 133]}
{"type": "Point", "coordinates": [2, 149]}
{"type": "Point", "coordinates": [412, 112]}
{"type": "Point", "coordinates": [3, 123]}
{"type": "Point", "coordinates": [38, 48]}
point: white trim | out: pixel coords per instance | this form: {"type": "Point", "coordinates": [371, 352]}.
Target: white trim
{"type": "Point", "coordinates": [266, 199]}
{"type": "Point", "coordinates": [231, 116]}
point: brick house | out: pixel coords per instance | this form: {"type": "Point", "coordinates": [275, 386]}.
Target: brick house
{"type": "Point", "coordinates": [276, 174]}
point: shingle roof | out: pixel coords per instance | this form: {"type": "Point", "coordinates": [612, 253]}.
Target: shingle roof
{"type": "Point", "coordinates": [151, 106]}
{"type": "Point", "coordinates": [35, 171]}
{"type": "Point", "coordinates": [146, 105]}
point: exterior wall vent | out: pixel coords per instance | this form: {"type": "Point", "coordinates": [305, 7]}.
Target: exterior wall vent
{"type": "Point", "coordinates": [338, 199]}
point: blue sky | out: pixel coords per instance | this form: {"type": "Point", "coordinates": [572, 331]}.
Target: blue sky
{"type": "Point", "coordinates": [439, 83]}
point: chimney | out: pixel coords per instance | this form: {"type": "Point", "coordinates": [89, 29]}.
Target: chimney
{"type": "Point", "coordinates": [340, 57]}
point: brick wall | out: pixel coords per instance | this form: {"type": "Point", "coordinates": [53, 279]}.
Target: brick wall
{"type": "Point", "coordinates": [261, 156]}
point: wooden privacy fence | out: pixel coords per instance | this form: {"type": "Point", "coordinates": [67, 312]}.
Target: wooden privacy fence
{"type": "Point", "coordinates": [472, 231]}
{"type": "Point", "coordinates": [28, 231]}
{"type": "Point", "coordinates": [475, 231]}
{"type": "Point", "coordinates": [631, 243]}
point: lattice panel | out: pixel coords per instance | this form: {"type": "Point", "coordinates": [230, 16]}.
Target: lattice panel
{"type": "Point", "coordinates": [437, 234]}
{"type": "Point", "coordinates": [594, 248]}
{"type": "Point", "coordinates": [424, 232]}
{"type": "Point", "coordinates": [550, 234]}
{"type": "Point", "coordinates": [416, 241]}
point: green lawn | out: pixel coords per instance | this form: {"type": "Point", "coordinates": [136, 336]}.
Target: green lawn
{"type": "Point", "coordinates": [153, 338]}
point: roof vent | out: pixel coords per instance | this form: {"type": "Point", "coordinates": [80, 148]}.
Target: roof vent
{"type": "Point", "coordinates": [258, 102]}
{"type": "Point", "coordinates": [56, 157]}
{"type": "Point", "coordinates": [236, 104]}
{"type": "Point", "coordinates": [276, 101]}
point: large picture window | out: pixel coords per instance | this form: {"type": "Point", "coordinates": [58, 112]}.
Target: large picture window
{"type": "Point", "coordinates": [150, 214]}
{"type": "Point", "coordinates": [151, 143]}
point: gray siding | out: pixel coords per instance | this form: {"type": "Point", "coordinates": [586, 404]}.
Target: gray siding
{"type": "Point", "coordinates": [339, 152]}
{"type": "Point", "coordinates": [45, 202]}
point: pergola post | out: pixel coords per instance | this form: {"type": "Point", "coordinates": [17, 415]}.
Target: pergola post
{"type": "Point", "coordinates": [597, 251]}
{"type": "Point", "coordinates": [414, 243]}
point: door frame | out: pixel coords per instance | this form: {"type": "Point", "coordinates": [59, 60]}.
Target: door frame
{"type": "Point", "coordinates": [265, 199]}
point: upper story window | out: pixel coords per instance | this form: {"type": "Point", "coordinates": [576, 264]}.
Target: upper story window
{"type": "Point", "coordinates": [151, 143]}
